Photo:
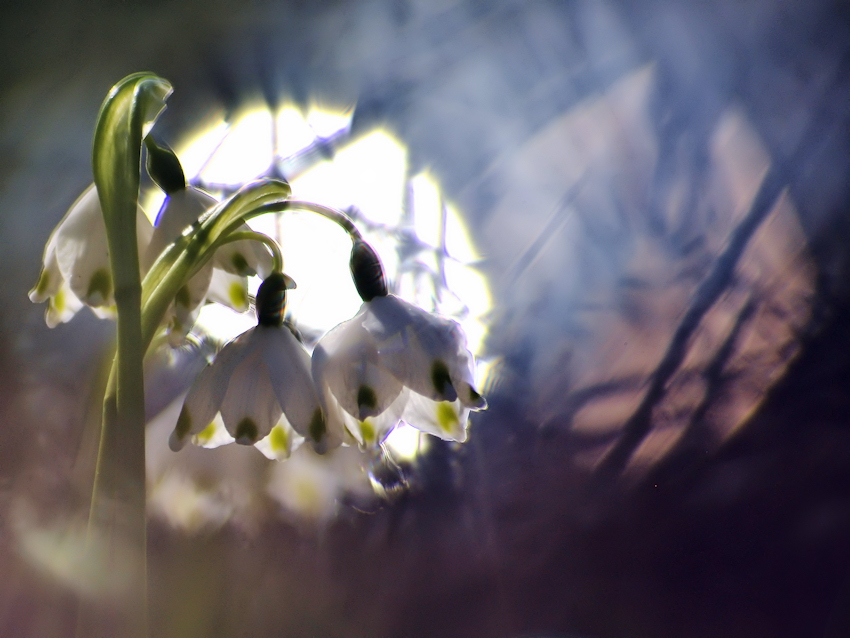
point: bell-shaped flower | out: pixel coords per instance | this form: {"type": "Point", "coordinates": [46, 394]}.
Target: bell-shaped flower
{"type": "Point", "coordinates": [76, 267]}
{"type": "Point", "coordinates": [224, 278]}
{"type": "Point", "coordinates": [259, 387]}
{"type": "Point", "coordinates": [394, 361]}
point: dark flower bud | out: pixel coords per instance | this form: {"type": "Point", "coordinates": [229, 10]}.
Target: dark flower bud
{"type": "Point", "coordinates": [367, 272]}
{"type": "Point", "coordinates": [271, 299]}
{"type": "Point", "coordinates": [164, 167]}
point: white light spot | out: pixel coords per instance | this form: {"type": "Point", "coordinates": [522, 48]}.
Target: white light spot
{"type": "Point", "coordinates": [223, 322]}
{"type": "Point", "coordinates": [245, 154]}
{"type": "Point", "coordinates": [293, 132]}
{"type": "Point", "coordinates": [199, 148]}
{"type": "Point", "coordinates": [326, 123]}
{"type": "Point", "coordinates": [369, 174]}
{"type": "Point", "coordinates": [405, 442]}
{"type": "Point", "coordinates": [427, 208]}
{"type": "Point", "coordinates": [315, 252]}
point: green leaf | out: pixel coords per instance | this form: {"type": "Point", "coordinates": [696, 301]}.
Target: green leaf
{"type": "Point", "coordinates": [127, 113]}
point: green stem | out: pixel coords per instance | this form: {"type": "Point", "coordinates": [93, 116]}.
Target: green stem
{"type": "Point", "coordinates": [190, 252]}
{"type": "Point", "coordinates": [336, 216]}
{"type": "Point", "coordinates": [250, 235]}
{"type": "Point", "coordinates": [117, 516]}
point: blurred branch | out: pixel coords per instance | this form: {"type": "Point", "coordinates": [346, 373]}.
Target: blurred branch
{"type": "Point", "coordinates": [717, 281]}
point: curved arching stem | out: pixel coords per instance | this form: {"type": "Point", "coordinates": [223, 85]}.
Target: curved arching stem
{"type": "Point", "coordinates": [336, 216]}
{"type": "Point", "coordinates": [250, 235]}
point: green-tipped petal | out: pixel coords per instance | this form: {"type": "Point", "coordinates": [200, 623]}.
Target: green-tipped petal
{"type": "Point", "coordinates": [207, 392]}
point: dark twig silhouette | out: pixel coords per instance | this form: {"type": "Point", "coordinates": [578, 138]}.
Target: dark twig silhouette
{"type": "Point", "coordinates": [717, 281]}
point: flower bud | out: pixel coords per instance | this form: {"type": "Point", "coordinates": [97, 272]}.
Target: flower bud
{"type": "Point", "coordinates": [367, 272]}
{"type": "Point", "coordinates": [164, 167]}
{"type": "Point", "coordinates": [271, 299]}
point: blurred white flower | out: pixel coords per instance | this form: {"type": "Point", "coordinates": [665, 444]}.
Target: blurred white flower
{"type": "Point", "coordinates": [261, 386]}
{"type": "Point", "coordinates": [311, 486]}
{"type": "Point", "coordinates": [76, 267]}
{"type": "Point", "coordinates": [394, 361]}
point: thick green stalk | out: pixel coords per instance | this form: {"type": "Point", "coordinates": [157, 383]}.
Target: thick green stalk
{"type": "Point", "coordinates": [117, 517]}
{"type": "Point", "coordinates": [338, 217]}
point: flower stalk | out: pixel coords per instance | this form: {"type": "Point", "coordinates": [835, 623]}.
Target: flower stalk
{"type": "Point", "coordinates": [118, 495]}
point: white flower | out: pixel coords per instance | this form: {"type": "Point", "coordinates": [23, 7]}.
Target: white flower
{"type": "Point", "coordinates": [311, 487]}
{"type": "Point", "coordinates": [223, 279]}
{"type": "Point", "coordinates": [394, 361]}
{"type": "Point", "coordinates": [77, 272]}
{"type": "Point", "coordinates": [76, 261]}
{"type": "Point", "coordinates": [260, 385]}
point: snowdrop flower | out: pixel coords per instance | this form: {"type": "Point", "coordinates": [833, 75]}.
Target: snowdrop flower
{"type": "Point", "coordinates": [76, 267]}
{"type": "Point", "coordinates": [224, 278]}
{"type": "Point", "coordinates": [393, 361]}
{"type": "Point", "coordinates": [258, 387]}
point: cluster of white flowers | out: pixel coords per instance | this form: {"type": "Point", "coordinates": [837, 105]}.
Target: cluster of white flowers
{"type": "Point", "coordinates": [392, 362]}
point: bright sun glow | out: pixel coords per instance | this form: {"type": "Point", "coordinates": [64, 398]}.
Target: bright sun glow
{"type": "Point", "coordinates": [367, 176]}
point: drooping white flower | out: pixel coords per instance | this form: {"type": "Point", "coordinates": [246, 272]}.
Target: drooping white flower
{"type": "Point", "coordinates": [259, 386]}
{"type": "Point", "coordinates": [76, 267]}
{"type": "Point", "coordinates": [394, 361]}
{"type": "Point", "coordinates": [223, 279]}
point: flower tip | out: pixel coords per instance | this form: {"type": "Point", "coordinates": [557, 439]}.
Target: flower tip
{"type": "Point", "coordinates": [476, 401]}
{"type": "Point", "coordinates": [175, 442]}
{"type": "Point", "coordinates": [320, 447]}
{"type": "Point", "coordinates": [247, 432]}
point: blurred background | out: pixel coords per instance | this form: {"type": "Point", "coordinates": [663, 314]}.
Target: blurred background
{"type": "Point", "coordinates": [648, 206]}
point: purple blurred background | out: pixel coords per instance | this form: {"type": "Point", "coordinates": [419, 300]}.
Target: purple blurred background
{"type": "Point", "coordinates": [659, 195]}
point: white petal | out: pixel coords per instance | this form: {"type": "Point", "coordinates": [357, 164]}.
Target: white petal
{"type": "Point", "coordinates": [290, 373]}
{"type": "Point", "coordinates": [250, 408]}
{"type": "Point", "coordinates": [179, 210]}
{"type": "Point", "coordinates": [447, 420]}
{"type": "Point", "coordinates": [336, 427]}
{"type": "Point", "coordinates": [77, 254]}
{"type": "Point", "coordinates": [62, 306]}
{"type": "Point", "coordinates": [245, 257]}
{"type": "Point", "coordinates": [280, 442]}
{"type": "Point", "coordinates": [214, 435]}
{"type": "Point", "coordinates": [346, 361]}
{"type": "Point", "coordinates": [50, 280]}
{"type": "Point", "coordinates": [62, 303]}
{"type": "Point", "coordinates": [229, 290]}
{"type": "Point", "coordinates": [179, 325]}
{"type": "Point", "coordinates": [187, 303]}
{"type": "Point", "coordinates": [81, 251]}
{"type": "Point", "coordinates": [373, 430]}
{"type": "Point", "coordinates": [195, 290]}
{"type": "Point", "coordinates": [106, 312]}
{"type": "Point", "coordinates": [424, 351]}
{"type": "Point", "coordinates": [208, 390]}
